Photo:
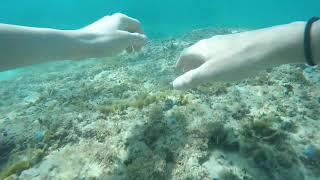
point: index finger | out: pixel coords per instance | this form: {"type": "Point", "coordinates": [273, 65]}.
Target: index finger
{"type": "Point", "coordinates": [130, 24]}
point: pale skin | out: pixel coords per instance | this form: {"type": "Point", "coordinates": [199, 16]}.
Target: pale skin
{"type": "Point", "coordinates": [110, 35]}
{"type": "Point", "coordinates": [220, 58]}
{"type": "Point", "coordinates": [237, 56]}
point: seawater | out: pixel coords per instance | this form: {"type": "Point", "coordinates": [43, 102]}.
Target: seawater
{"type": "Point", "coordinates": [159, 18]}
{"type": "Point", "coordinates": [119, 118]}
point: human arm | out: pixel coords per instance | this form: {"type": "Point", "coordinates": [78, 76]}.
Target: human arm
{"type": "Point", "coordinates": [237, 56]}
{"type": "Point", "coordinates": [20, 45]}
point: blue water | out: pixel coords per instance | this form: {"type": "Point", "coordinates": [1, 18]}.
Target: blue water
{"type": "Point", "coordinates": [160, 18]}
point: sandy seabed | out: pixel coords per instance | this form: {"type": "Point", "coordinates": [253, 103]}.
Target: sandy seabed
{"type": "Point", "coordinates": [119, 118]}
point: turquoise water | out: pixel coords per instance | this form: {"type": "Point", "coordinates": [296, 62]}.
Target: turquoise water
{"type": "Point", "coordinates": [118, 118]}
{"type": "Point", "coordinates": [160, 18]}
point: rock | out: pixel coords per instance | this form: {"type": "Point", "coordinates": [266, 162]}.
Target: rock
{"type": "Point", "coordinates": [6, 146]}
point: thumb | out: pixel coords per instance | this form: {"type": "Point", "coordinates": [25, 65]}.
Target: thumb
{"type": "Point", "coordinates": [135, 41]}
{"type": "Point", "coordinates": [192, 78]}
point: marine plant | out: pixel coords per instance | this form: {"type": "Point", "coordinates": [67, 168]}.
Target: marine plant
{"type": "Point", "coordinates": [228, 175]}
{"type": "Point", "coordinates": [118, 90]}
{"type": "Point", "coordinates": [20, 166]}
{"type": "Point", "coordinates": [218, 136]}
{"type": "Point", "coordinates": [262, 129]}
{"type": "Point", "coordinates": [15, 168]}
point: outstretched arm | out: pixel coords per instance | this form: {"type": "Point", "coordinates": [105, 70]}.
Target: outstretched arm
{"type": "Point", "coordinates": [20, 45]}
{"type": "Point", "coordinates": [236, 56]}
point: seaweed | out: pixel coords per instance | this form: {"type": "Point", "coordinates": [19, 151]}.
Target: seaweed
{"type": "Point", "coordinates": [34, 156]}
{"type": "Point", "coordinates": [15, 168]}
{"type": "Point", "coordinates": [228, 175]}
{"type": "Point", "coordinates": [263, 130]}
{"type": "Point", "coordinates": [183, 100]}
{"type": "Point", "coordinates": [213, 90]}
{"type": "Point", "coordinates": [118, 90]}
{"type": "Point", "coordinates": [144, 100]}
{"type": "Point", "coordinates": [221, 137]}
{"type": "Point", "coordinates": [155, 127]}
{"type": "Point", "coordinates": [114, 106]}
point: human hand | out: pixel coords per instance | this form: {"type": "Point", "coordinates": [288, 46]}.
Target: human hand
{"type": "Point", "coordinates": [237, 56]}
{"type": "Point", "coordinates": [111, 35]}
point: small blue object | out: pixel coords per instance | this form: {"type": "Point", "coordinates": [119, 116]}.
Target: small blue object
{"type": "Point", "coordinates": [310, 151]}
{"type": "Point", "coordinates": [308, 70]}
{"type": "Point", "coordinates": [39, 136]}
{"type": "Point", "coordinates": [172, 121]}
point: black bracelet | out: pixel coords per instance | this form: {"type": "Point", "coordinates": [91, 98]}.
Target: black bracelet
{"type": "Point", "coordinates": [307, 41]}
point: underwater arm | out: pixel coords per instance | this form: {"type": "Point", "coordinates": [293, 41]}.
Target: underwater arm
{"type": "Point", "coordinates": [110, 35]}
{"type": "Point", "coordinates": [20, 46]}
{"type": "Point", "coordinates": [240, 55]}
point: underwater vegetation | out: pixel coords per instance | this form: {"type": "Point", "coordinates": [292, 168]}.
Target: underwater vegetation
{"type": "Point", "coordinates": [119, 118]}
{"type": "Point", "coordinates": [143, 100]}
{"type": "Point", "coordinates": [160, 143]}
{"type": "Point", "coordinates": [221, 137]}
{"type": "Point", "coordinates": [228, 175]}
{"type": "Point", "coordinates": [18, 167]}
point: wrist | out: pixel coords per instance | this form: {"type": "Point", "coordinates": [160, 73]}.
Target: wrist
{"type": "Point", "coordinates": [80, 44]}
{"type": "Point", "coordinates": [315, 41]}
{"type": "Point", "coordinates": [90, 45]}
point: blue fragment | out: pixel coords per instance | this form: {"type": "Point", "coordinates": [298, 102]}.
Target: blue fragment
{"type": "Point", "coordinates": [308, 70]}
{"type": "Point", "coordinates": [39, 136]}
{"type": "Point", "coordinates": [310, 151]}
{"type": "Point", "coordinates": [172, 121]}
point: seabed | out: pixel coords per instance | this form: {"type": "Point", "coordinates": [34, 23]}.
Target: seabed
{"type": "Point", "coordinates": [119, 118]}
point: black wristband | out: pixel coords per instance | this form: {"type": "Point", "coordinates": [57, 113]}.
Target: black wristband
{"type": "Point", "coordinates": [307, 41]}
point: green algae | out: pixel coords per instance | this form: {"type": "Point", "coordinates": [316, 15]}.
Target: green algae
{"type": "Point", "coordinates": [19, 166]}
{"type": "Point", "coordinates": [142, 100]}
{"type": "Point", "coordinates": [228, 175]}
{"type": "Point", "coordinates": [15, 168]}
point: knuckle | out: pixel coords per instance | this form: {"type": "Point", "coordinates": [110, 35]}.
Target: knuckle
{"type": "Point", "coordinates": [119, 15]}
{"type": "Point", "coordinates": [138, 22]}
{"type": "Point", "coordinates": [200, 44]}
{"type": "Point", "coordinates": [185, 53]}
